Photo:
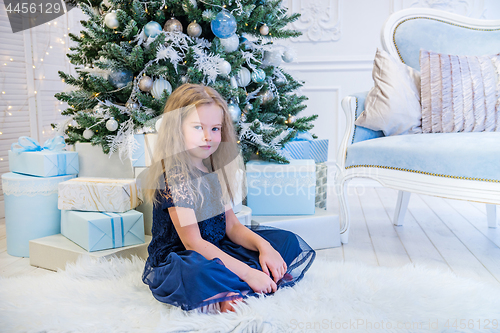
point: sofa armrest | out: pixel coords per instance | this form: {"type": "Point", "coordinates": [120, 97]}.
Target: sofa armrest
{"type": "Point", "coordinates": [353, 106]}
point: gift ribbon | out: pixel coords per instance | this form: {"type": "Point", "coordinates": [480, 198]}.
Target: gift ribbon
{"type": "Point", "coordinates": [303, 136]}
{"type": "Point", "coordinates": [29, 144]}
{"type": "Point", "coordinates": [117, 229]}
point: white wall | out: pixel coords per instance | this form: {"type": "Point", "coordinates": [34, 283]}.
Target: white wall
{"type": "Point", "coordinates": [335, 53]}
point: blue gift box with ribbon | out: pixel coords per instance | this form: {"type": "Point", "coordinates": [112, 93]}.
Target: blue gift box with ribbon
{"type": "Point", "coordinates": [95, 231]}
{"type": "Point", "coordinates": [30, 209]}
{"type": "Point", "coordinates": [281, 189]}
{"type": "Point", "coordinates": [304, 147]}
{"type": "Point", "coordinates": [49, 160]}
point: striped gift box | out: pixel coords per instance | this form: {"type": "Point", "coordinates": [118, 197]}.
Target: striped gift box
{"type": "Point", "coordinates": [316, 150]}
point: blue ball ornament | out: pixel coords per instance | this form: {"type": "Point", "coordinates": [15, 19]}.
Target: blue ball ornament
{"type": "Point", "coordinates": [224, 25]}
{"type": "Point", "coordinates": [258, 75]}
{"type": "Point", "coordinates": [152, 29]}
{"type": "Point", "coordinates": [120, 79]}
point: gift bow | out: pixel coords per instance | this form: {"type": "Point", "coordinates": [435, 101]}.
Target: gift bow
{"type": "Point", "coordinates": [29, 144]}
{"type": "Point", "coordinates": [303, 136]}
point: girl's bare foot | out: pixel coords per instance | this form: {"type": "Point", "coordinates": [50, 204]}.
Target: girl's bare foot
{"type": "Point", "coordinates": [227, 306]}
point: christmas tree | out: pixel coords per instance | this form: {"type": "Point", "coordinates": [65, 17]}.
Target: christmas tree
{"type": "Point", "coordinates": [133, 53]}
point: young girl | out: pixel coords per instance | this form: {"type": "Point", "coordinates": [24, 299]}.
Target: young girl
{"type": "Point", "coordinates": [201, 256]}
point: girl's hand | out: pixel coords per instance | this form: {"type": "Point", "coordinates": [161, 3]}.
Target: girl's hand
{"type": "Point", "coordinates": [272, 262]}
{"type": "Point", "coordinates": [260, 282]}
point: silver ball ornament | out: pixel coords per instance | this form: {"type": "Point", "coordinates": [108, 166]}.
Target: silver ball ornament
{"type": "Point", "coordinates": [159, 86]}
{"type": "Point", "coordinates": [132, 105]}
{"type": "Point", "coordinates": [287, 56]}
{"type": "Point", "coordinates": [173, 25]}
{"type": "Point", "coordinates": [224, 67]}
{"type": "Point", "coordinates": [193, 2]}
{"type": "Point", "coordinates": [233, 82]}
{"type": "Point", "coordinates": [248, 107]}
{"type": "Point", "coordinates": [230, 44]}
{"type": "Point", "coordinates": [266, 96]}
{"type": "Point", "coordinates": [112, 124]}
{"type": "Point", "coordinates": [146, 83]}
{"type": "Point", "coordinates": [291, 119]}
{"type": "Point", "coordinates": [234, 111]}
{"type": "Point", "coordinates": [111, 20]}
{"type": "Point", "coordinates": [88, 134]}
{"type": "Point", "coordinates": [243, 77]}
{"type": "Point", "coordinates": [264, 30]}
{"type": "Point", "coordinates": [184, 79]}
{"type": "Point", "coordinates": [194, 29]}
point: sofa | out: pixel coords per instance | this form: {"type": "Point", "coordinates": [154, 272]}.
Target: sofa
{"type": "Point", "coordinates": [457, 165]}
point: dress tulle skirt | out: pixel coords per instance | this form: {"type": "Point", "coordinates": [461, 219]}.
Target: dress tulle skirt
{"type": "Point", "coordinates": [190, 281]}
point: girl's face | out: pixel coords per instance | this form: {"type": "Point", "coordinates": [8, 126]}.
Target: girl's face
{"type": "Point", "coordinates": [202, 131]}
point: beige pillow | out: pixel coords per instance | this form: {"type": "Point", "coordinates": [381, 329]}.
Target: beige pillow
{"type": "Point", "coordinates": [459, 93]}
{"type": "Point", "coordinates": [393, 104]}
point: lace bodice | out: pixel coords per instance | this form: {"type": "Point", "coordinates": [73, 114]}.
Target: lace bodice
{"type": "Point", "coordinates": [210, 215]}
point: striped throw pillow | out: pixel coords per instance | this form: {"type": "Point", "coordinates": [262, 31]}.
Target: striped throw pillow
{"type": "Point", "coordinates": [459, 93]}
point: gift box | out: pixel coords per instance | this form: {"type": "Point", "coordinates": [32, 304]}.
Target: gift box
{"type": "Point", "coordinates": [319, 231]}
{"type": "Point", "coordinates": [95, 231]}
{"type": "Point", "coordinates": [94, 163]}
{"type": "Point", "coordinates": [99, 195]}
{"type": "Point", "coordinates": [281, 189]}
{"type": "Point", "coordinates": [49, 160]}
{"type": "Point", "coordinates": [321, 185]}
{"type": "Point", "coordinates": [146, 208]}
{"type": "Point", "coordinates": [304, 146]}
{"type": "Point", "coordinates": [143, 155]}
{"type": "Point", "coordinates": [56, 251]}
{"type": "Point", "coordinates": [30, 209]}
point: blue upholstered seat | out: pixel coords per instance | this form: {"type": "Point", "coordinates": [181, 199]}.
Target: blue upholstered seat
{"type": "Point", "coordinates": [468, 155]}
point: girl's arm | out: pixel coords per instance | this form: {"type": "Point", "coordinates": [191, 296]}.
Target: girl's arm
{"type": "Point", "coordinates": [270, 259]}
{"type": "Point", "coordinates": [186, 225]}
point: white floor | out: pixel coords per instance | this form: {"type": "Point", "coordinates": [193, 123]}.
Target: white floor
{"type": "Point", "coordinates": [437, 232]}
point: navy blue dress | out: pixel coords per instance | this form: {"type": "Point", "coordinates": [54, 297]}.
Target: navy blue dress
{"type": "Point", "coordinates": [187, 279]}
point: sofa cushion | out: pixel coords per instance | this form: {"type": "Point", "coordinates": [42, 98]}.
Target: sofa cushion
{"type": "Point", "coordinates": [393, 104]}
{"type": "Point", "coordinates": [473, 156]}
{"type": "Point", "coordinates": [459, 93]}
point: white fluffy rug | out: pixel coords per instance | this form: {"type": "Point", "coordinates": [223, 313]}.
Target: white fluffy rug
{"type": "Point", "coordinates": [102, 296]}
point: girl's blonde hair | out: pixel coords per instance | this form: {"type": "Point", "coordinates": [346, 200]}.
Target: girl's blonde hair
{"type": "Point", "coordinates": [170, 148]}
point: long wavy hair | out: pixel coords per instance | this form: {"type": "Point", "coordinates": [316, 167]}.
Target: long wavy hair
{"type": "Point", "coordinates": [170, 156]}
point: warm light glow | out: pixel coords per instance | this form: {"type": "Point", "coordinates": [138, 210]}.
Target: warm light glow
{"type": "Point", "coordinates": [10, 114]}
{"type": "Point", "coordinates": [35, 91]}
{"type": "Point", "coordinates": [50, 46]}
{"type": "Point", "coordinates": [11, 59]}
{"type": "Point", "coordinates": [5, 64]}
{"type": "Point", "coordinates": [3, 92]}
{"type": "Point", "coordinates": [10, 107]}
{"type": "Point", "coordinates": [33, 66]}
{"type": "Point", "coordinates": [41, 59]}
{"type": "Point", "coordinates": [47, 53]}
